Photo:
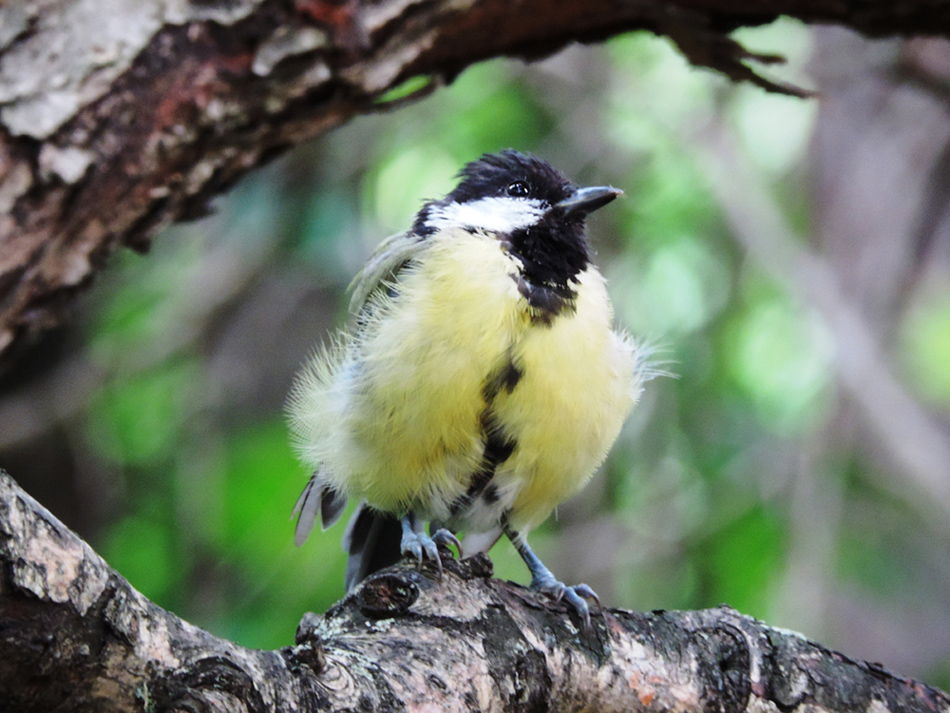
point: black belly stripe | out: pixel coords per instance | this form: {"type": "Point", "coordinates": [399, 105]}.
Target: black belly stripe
{"type": "Point", "coordinates": [498, 448]}
{"type": "Point", "coordinates": [505, 378]}
{"type": "Point", "coordinates": [498, 445]}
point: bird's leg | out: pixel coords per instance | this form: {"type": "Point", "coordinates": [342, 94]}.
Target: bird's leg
{"type": "Point", "coordinates": [542, 580]}
{"type": "Point", "coordinates": [417, 544]}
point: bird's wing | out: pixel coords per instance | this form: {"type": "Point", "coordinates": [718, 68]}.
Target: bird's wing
{"type": "Point", "coordinates": [394, 252]}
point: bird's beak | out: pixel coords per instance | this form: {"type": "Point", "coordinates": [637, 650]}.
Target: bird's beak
{"type": "Point", "coordinates": [587, 200]}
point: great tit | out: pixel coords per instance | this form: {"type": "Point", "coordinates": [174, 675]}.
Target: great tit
{"type": "Point", "coordinates": [482, 383]}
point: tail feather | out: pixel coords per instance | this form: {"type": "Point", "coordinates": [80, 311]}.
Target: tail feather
{"type": "Point", "coordinates": [372, 540]}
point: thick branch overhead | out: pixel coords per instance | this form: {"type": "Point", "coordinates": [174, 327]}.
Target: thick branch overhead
{"type": "Point", "coordinates": [115, 123]}
{"type": "Point", "coordinates": [77, 637]}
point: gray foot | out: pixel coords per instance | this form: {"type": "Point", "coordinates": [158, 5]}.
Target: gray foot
{"type": "Point", "coordinates": [418, 545]}
{"type": "Point", "coordinates": [543, 581]}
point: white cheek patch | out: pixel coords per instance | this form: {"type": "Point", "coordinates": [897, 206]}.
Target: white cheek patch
{"type": "Point", "coordinates": [494, 214]}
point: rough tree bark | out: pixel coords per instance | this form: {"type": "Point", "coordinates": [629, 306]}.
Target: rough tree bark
{"type": "Point", "coordinates": [75, 636]}
{"type": "Point", "coordinates": [118, 117]}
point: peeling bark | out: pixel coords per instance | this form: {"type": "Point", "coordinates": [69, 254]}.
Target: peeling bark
{"type": "Point", "coordinates": [75, 636]}
{"type": "Point", "coordinates": [118, 117]}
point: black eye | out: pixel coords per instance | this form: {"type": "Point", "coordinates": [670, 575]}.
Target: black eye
{"type": "Point", "coordinates": [518, 189]}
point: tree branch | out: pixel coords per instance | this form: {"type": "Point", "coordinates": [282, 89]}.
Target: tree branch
{"type": "Point", "coordinates": [116, 121]}
{"type": "Point", "coordinates": [75, 636]}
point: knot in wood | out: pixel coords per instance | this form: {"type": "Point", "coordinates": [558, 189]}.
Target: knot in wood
{"type": "Point", "coordinates": [725, 667]}
{"type": "Point", "coordinates": [309, 654]}
{"type": "Point", "coordinates": [387, 595]}
{"type": "Point", "coordinates": [307, 629]}
{"type": "Point", "coordinates": [207, 685]}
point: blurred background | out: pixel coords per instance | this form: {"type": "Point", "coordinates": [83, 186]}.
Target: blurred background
{"type": "Point", "coordinates": [791, 256]}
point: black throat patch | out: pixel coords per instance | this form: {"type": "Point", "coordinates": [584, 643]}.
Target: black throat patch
{"type": "Point", "coordinates": [552, 254]}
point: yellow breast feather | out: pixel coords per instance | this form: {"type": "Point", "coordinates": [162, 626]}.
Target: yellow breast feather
{"type": "Point", "coordinates": [581, 379]}
{"type": "Point", "coordinates": [400, 428]}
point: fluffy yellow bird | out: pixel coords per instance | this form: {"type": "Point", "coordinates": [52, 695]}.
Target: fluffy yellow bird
{"type": "Point", "coordinates": [483, 382]}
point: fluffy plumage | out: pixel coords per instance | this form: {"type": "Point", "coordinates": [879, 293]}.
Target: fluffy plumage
{"type": "Point", "coordinates": [483, 382]}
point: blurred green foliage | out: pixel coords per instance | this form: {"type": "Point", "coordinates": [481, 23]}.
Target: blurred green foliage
{"type": "Point", "coordinates": [926, 345]}
{"type": "Point", "coordinates": [197, 344]}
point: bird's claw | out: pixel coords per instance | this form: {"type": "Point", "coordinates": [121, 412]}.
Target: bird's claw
{"type": "Point", "coordinates": [576, 596]}
{"type": "Point", "coordinates": [586, 592]}
{"type": "Point", "coordinates": [446, 538]}
{"type": "Point", "coordinates": [421, 547]}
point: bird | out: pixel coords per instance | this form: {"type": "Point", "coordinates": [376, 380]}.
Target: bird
{"type": "Point", "coordinates": [481, 384]}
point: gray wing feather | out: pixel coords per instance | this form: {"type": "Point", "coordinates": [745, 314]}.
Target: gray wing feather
{"type": "Point", "coordinates": [305, 510]}
{"type": "Point", "coordinates": [391, 255]}
{"type": "Point", "coordinates": [316, 497]}
{"type": "Point", "coordinates": [369, 537]}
